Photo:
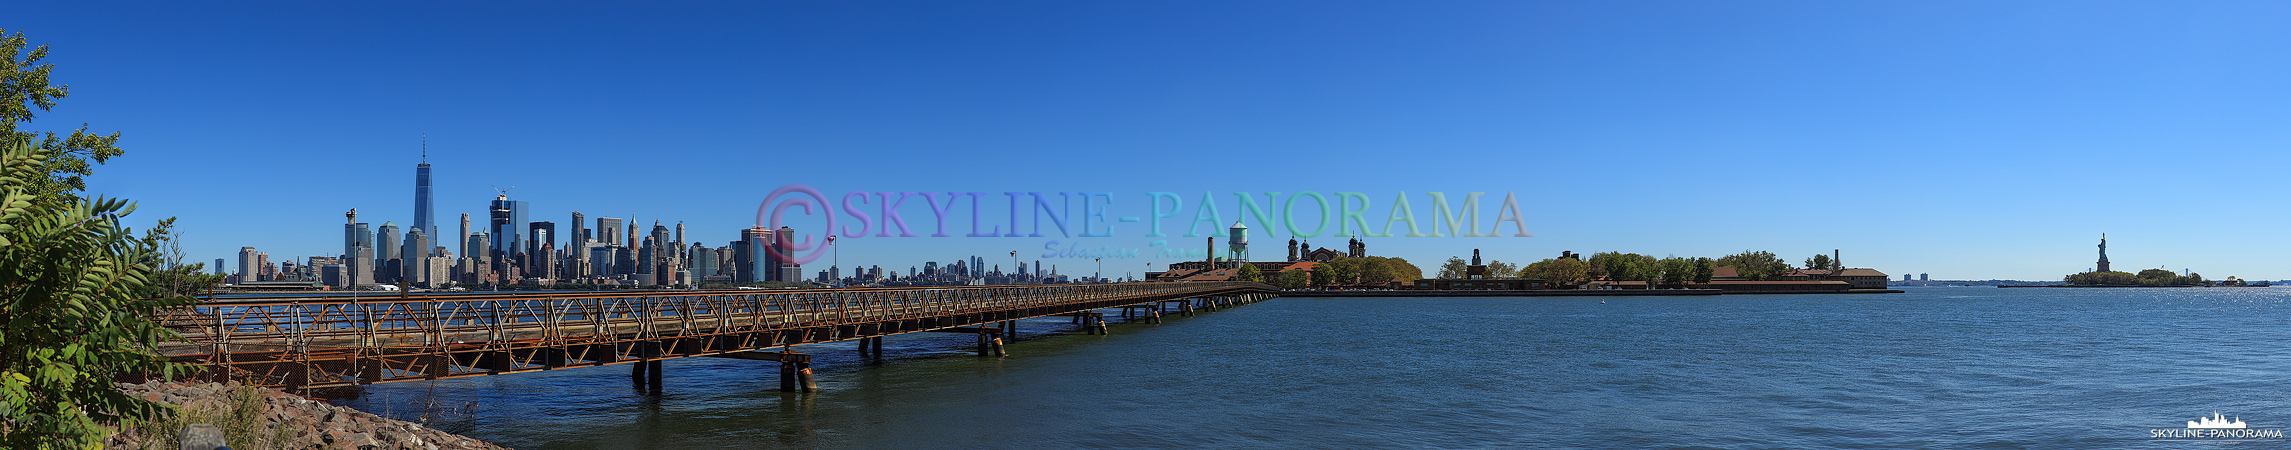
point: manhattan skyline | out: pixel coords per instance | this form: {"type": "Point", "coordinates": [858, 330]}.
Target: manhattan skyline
{"type": "Point", "coordinates": [1964, 140]}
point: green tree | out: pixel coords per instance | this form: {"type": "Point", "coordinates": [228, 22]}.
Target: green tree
{"type": "Point", "coordinates": [2157, 277]}
{"type": "Point", "coordinates": [1292, 279]}
{"type": "Point", "coordinates": [1823, 262]}
{"type": "Point", "coordinates": [1756, 265]}
{"type": "Point", "coordinates": [1401, 268]}
{"type": "Point", "coordinates": [76, 312]}
{"type": "Point", "coordinates": [24, 91]}
{"type": "Point", "coordinates": [76, 317]}
{"type": "Point", "coordinates": [2109, 278]}
{"type": "Point", "coordinates": [1373, 270]}
{"type": "Point", "coordinates": [1559, 271]}
{"type": "Point", "coordinates": [1702, 270]}
{"type": "Point", "coordinates": [1618, 266]}
{"type": "Point", "coordinates": [1500, 269]}
{"type": "Point", "coordinates": [1249, 272]}
{"type": "Point", "coordinates": [172, 277]}
{"type": "Point", "coordinates": [1453, 269]}
{"type": "Point", "coordinates": [1675, 271]}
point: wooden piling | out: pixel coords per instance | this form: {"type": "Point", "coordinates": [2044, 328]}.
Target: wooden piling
{"type": "Point", "coordinates": [787, 376]}
{"type": "Point", "coordinates": [655, 375]}
{"type": "Point", "coordinates": [803, 375]}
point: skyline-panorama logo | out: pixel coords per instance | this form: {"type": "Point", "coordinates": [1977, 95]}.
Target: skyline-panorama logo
{"type": "Point", "coordinates": [2218, 427]}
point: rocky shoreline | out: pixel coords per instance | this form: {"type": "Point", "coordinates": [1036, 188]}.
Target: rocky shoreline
{"type": "Point", "coordinates": [257, 418]}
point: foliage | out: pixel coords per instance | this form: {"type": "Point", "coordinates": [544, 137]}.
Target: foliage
{"type": "Point", "coordinates": [1331, 273]}
{"type": "Point", "coordinates": [1453, 269]}
{"type": "Point", "coordinates": [75, 315]}
{"type": "Point", "coordinates": [24, 88]}
{"type": "Point", "coordinates": [1702, 270]}
{"type": "Point", "coordinates": [1249, 272]}
{"type": "Point", "coordinates": [1674, 271]}
{"type": "Point", "coordinates": [1559, 271]}
{"type": "Point", "coordinates": [1617, 266]}
{"type": "Point", "coordinates": [173, 278]}
{"type": "Point", "coordinates": [1823, 262]}
{"type": "Point", "coordinates": [1500, 269]}
{"type": "Point", "coordinates": [1401, 269]}
{"type": "Point", "coordinates": [1755, 265]}
{"type": "Point", "coordinates": [1291, 279]}
{"type": "Point", "coordinates": [2109, 278]}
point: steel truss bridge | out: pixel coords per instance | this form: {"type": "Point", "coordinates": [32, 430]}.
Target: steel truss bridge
{"type": "Point", "coordinates": [302, 342]}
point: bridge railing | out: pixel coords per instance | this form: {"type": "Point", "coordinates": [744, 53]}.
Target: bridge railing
{"type": "Point", "coordinates": [308, 323]}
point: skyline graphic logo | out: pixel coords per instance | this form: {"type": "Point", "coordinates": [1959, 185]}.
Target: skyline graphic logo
{"type": "Point", "coordinates": [2216, 421]}
{"type": "Point", "coordinates": [2217, 427]}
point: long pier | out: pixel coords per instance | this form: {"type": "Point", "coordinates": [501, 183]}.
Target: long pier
{"type": "Point", "coordinates": [301, 342]}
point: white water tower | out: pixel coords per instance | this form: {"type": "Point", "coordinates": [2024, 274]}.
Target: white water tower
{"type": "Point", "coordinates": [1238, 240]}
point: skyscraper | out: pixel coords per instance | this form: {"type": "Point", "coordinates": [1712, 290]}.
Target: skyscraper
{"type": "Point", "coordinates": [608, 231]}
{"type": "Point", "coordinates": [463, 244]}
{"type": "Point", "coordinates": [424, 215]}
{"type": "Point", "coordinates": [249, 269]}
{"type": "Point", "coordinates": [219, 266]}
{"type": "Point", "coordinates": [747, 260]}
{"type": "Point", "coordinates": [386, 257]}
{"type": "Point", "coordinates": [414, 261]}
{"type": "Point", "coordinates": [357, 252]}
{"type": "Point", "coordinates": [507, 232]}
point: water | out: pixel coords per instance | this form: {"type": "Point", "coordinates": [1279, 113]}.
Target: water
{"type": "Point", "coordinates": [1932, 368]}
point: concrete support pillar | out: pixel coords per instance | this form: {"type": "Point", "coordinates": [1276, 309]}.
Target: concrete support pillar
{"type": "Point", "coordinates": [877, 345]}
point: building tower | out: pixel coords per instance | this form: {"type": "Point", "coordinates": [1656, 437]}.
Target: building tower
{"type": "Point", "coordinates": [425, 217]}
{"type": "Point", "coordinates": [1292, 249]}
{"type": "Point", "coordinates": [1237, 240]}
{"type": "Point", "coordinates": [247, 266]}
{"type": "Point", "coordinates": [503, 234]}
{"type": "Point", "coordinates": [463, 244]}
{"type": "Point", "coordinates": [2103, 253]}
{"type": "Point", "coordinates": [386, 257]}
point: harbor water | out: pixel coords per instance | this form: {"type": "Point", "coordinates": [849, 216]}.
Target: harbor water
{"type": "Point", "coordinates": [1955, 367]}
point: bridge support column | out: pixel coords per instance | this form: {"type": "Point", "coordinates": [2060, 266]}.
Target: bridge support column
{"type": "Point", "coordinates": [1153, 315]}
{"type": "Point", "coordinates": [654, 380]}
{"type": "Point", "coordinates": [795, 373]}
{"type": "Point", "coordinates": [876, 345]}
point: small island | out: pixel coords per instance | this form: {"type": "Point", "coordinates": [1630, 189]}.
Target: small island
{"type": "Point", "coordinates": [2102, 277]}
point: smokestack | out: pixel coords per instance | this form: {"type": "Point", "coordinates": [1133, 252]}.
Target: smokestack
{"type": "Point", "coordinates": [1835, 262]}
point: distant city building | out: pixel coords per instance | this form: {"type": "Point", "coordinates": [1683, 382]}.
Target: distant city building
{"type": "Point", "coordinates": [424, 214]}
{"type": "Point", "coordinates": [386, 269]}
{"type": "Point", "coordinates": [1921, 277]}
{"type": "Point", "coordinates": [218, 269]}
{"type": "Point", "coordinates": [248, 267]}
{"type": "Point", "coordinates": [608, 230]}
{"type": "Point", "coordinates": [507, 231]}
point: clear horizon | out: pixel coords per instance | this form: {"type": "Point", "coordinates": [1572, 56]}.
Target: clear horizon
{"type": "Point", "coordinates": [1965, 140]}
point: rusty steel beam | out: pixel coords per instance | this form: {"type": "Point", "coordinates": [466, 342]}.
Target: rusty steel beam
{"type": "Point", "coordinates": [306, 341]}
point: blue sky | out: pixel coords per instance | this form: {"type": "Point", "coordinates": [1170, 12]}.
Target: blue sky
{"type": "Point", "coordinates": [1968, 140]}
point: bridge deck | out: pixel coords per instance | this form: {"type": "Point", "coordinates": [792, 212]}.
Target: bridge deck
{"type": "Point", "coordinates": [333, 341]}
